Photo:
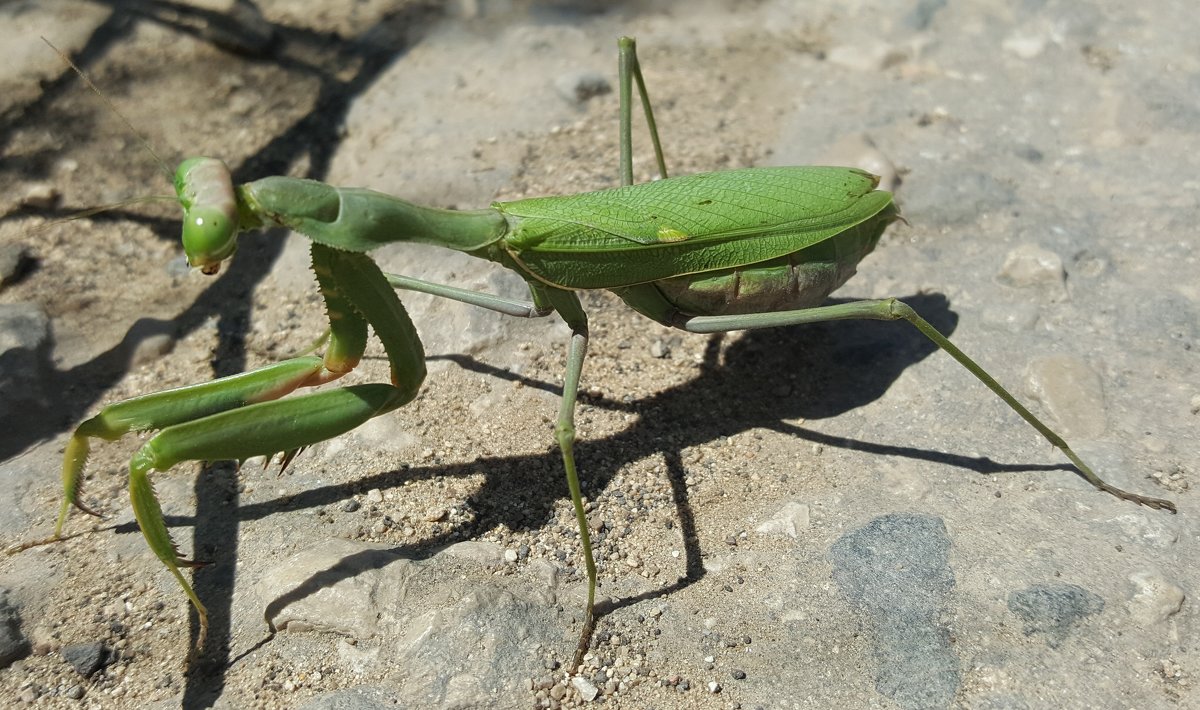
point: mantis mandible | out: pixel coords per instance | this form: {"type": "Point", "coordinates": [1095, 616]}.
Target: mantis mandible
{"type": "Point", "coordinates": [706, 253]}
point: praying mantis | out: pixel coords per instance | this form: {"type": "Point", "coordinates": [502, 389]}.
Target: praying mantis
{"type": "Point", "coordinates": [705, 253]}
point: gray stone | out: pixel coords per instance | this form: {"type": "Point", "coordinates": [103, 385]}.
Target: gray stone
{"type": "Point", "coordinates": [13, 644]}
{"type": "Point", "coordinates": [25, 59]}
{"type": "Point", "coordinates": [338, 586]}
{"type": "Point", "coordinates": [895, 572]}
{"type": "Point", "coordinates": [488, 554]}
{"type": "Point", "coordinates": [1053, 609]}
{"type": "Point", "coordinates": [238, 26]}
{"type": "Point", "coordinates": [86, 658]}
{"type": "Point", "coordinates": [450, 645]}
{"type": "Point", "coordinates": [587, 689]}
{"type": "Point", "coordinates": [361, 698]}
{"type": "Point", "coordinates": [483, 646]}
{"type": "Point", "coordinates": [40, 196]}
{"type": "Point", "coordinates": [922, 15]}
{"type": "Point", "coordinates": [956, 196]}
{"type": "Point", "coordinates": [864, 56]}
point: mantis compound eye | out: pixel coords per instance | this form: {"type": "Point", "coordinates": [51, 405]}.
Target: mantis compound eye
{"type": "Point", "coordinates": [209, 238]}
{"type": "Point", "coordinates": [210, 212]}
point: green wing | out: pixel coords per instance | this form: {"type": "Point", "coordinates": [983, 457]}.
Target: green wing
{"type": "Point", "coordinates": [686, 225]}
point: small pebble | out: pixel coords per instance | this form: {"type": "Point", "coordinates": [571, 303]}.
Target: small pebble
{"type": "Point", "coordinates": [14, 261]}
{"type": "Point", "coordinates": [859, 151]}
{"type": "Point", "coordinates": [375, 495]}
{"type": "Point", "coordinates": [1155, 599]}
{"type": "Point", "coordinates": [85, 658]}
{"type": "Point", "coordinates": [587, 690]}
{"type": "Point", "coordinates": [867, 56]}
{"type": "Point", "coordinates": [40, 196]}
{"type": "Point", "coordinates": [152, 348]}
{"type": "Point", "coordinates": [1030, 265]}
{"type": "Point", "coordinates": [789, 520]}
{"type": "Point", "coordinates": [1072, 392]}
{"type": "Point", "coordinates": [578, 87]}
{"type": "Point", "coordinates": [1025, 46]}
{"type": "Point", "coordinates": [738, 674]}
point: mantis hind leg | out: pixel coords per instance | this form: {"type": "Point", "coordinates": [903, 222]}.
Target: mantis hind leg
{"type": "Point", "coordinates": [893, 309]}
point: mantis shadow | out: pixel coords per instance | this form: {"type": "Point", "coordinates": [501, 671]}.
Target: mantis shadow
{"type": "Point", "coordinates": [830, 368]}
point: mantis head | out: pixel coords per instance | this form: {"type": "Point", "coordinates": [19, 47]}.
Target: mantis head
{"type": "Point", "coordinates": [210, 212]}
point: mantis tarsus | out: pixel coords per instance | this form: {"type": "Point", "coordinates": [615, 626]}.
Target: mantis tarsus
{"type": "Point", "coordinates": [733, 250]}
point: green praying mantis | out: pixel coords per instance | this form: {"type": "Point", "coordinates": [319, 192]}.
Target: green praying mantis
{"type": "Point", "coordinates": [705, 253]}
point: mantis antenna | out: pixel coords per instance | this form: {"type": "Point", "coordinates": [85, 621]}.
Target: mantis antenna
{"type": "Point", "coordinates": [112, 107]}
{"type": "Point", "coordinates": [105, 208]}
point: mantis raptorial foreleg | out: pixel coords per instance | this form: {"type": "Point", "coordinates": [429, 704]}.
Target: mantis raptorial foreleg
{"type": "Point", "coordinates": [242, 416]}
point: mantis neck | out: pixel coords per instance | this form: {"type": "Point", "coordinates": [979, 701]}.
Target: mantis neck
{"type": "Point", "coordinates": [360, 220]}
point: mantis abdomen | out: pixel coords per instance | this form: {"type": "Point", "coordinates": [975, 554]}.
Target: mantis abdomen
{"type": "Point", "coordinates": [802, 279]}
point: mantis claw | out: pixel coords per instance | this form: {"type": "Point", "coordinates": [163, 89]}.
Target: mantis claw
{"type": "Point", "coordinates": [74, 459]}
{"type": "Point", "coordinates": [1153, 503]}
